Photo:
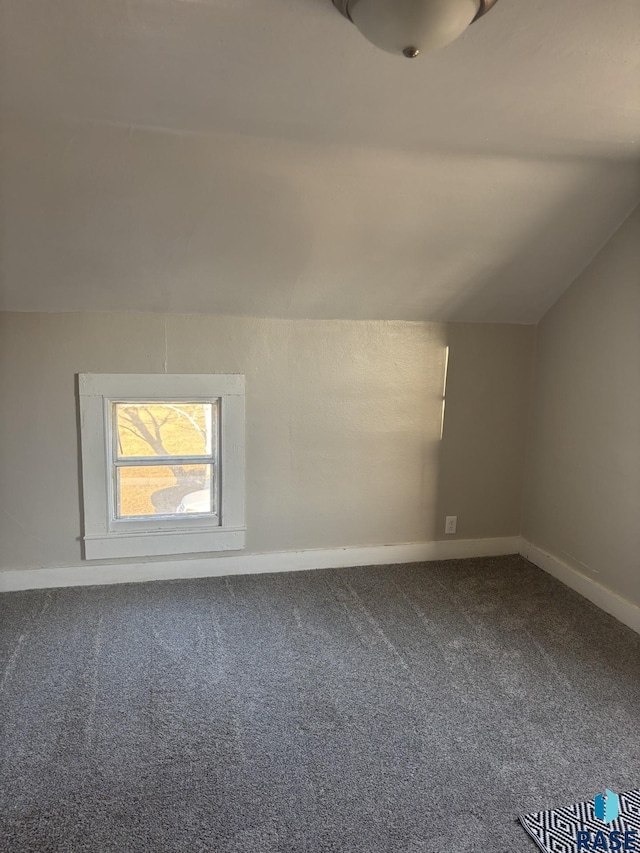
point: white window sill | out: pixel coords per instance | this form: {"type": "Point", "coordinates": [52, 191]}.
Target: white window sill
{"type": "Point", "coordinates": [163, 542]}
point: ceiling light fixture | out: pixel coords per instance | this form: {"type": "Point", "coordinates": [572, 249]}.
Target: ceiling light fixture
{"type": "Point", "coordinates": [411, 27]}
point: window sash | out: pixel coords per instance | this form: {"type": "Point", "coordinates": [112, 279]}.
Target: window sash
{"type": "Point", "coordinates": [182, 519]}
{"type": "Point", "coordinates": [160, 521]}
{"type": "Point", "coordinates": [161, 461]}
{"type": "Point", "coordinates": [112, 422]}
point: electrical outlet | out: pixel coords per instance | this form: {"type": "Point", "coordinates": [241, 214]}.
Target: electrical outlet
{"type": "Point", "coordinates": [451, 524]}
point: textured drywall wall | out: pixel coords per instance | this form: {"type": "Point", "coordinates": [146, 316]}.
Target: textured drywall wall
{"type": "Point", "coordinates": [583, 483]}
{"type": "Point", "coordinates": [481, 457]}
{"type": "Point", "coordinates": [343, 424]}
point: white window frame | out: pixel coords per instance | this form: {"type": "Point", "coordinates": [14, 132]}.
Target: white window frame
{"type": "Point", "coordinates": [106, 536]}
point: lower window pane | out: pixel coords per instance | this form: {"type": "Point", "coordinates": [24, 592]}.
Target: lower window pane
{"type": "Point", "coordinates": [165, 490]}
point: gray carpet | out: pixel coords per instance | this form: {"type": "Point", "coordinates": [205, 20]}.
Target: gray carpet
{"type": "Point", "coordinates": [413, 709]}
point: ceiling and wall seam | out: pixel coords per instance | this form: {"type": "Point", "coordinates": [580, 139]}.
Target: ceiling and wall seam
{"type": "Point", "coordinates": [149, 164]}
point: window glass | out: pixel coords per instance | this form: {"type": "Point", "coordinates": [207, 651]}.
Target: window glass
{"type": "Point", "coordinates": [165, 432]}
{"type": "Point", "coordinates": [146, 490]}
{"type": "Point", "coordinates": [144, 430]}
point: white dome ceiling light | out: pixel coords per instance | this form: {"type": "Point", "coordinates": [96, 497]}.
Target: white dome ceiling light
{"type": "Point", "coordinates": [411, 27]}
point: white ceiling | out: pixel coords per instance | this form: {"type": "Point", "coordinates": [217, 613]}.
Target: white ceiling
{"type": "Point", "coordinates": [260, 157]}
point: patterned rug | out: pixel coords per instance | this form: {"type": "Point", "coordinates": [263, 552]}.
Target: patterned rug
{"type": "Point", "coordinates": [565, 830]}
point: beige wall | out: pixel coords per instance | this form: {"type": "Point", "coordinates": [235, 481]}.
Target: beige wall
{"type": "Point", "coordinates": [583, 483]}
{"type": "Point", "coordinates": [343, 424]}
{"type": "Point", "coordinates": [481, 459]}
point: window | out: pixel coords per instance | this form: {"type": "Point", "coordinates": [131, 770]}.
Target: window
{"type": "Point", "coordinates": [162, 464]}
{"type": "Point", "coordinates": [164, 458]}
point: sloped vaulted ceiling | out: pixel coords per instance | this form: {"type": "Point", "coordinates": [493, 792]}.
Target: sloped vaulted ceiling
{"type": "Point", "coordinates": [259, 157]}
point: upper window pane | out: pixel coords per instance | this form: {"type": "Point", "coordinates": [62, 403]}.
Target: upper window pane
{"type": "Point", "coordinates": [156, 429]}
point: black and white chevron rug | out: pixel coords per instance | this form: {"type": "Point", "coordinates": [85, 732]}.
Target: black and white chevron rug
{"type": "Point", "coordinates": [557, 830]}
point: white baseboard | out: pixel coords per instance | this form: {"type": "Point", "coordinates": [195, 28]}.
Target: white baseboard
{"type": "Point", "coordinates": [604, 598]}
{"type": "Point", "coordinates": [241, 564]}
